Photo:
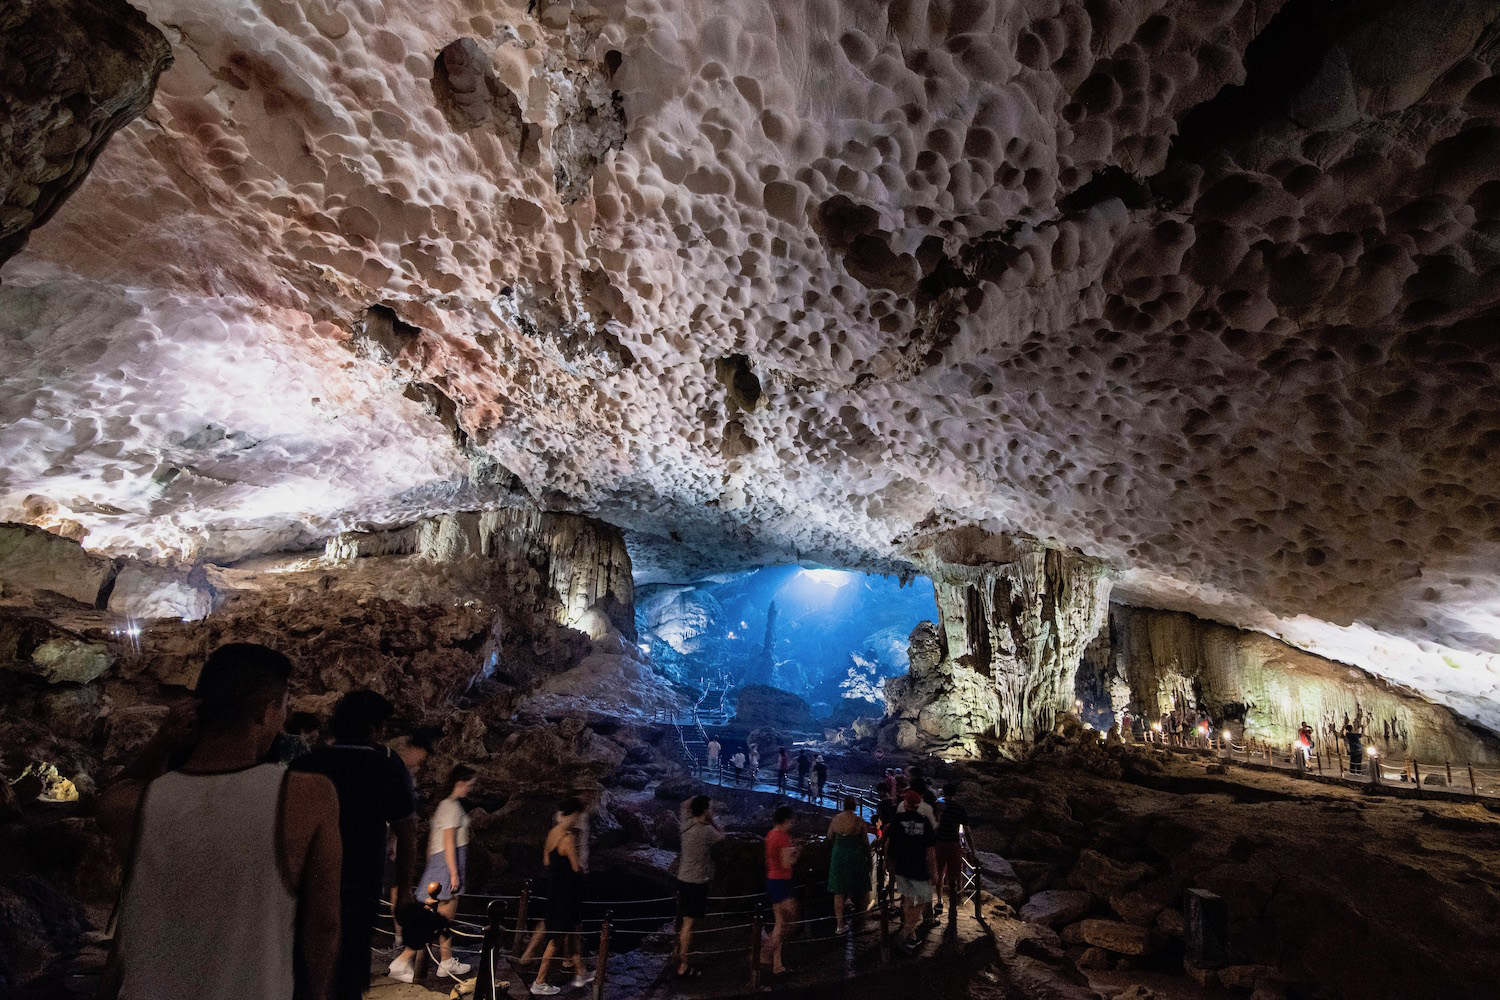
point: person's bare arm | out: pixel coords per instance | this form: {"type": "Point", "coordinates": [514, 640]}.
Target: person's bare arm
{"type": "Point", "coordinates": [406, 860]}
{"type": "Point", "coordinates": [312, 819]}
{"type": "Point", "coordinates": [121, 801]}
{"type": "Point", "coordinates": [450, 852]}
{"type": "Point", "coordinates": [568, 848]}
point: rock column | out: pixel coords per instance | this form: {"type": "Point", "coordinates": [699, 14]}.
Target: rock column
{"type": "Point", "coordinates": [1014, 628]}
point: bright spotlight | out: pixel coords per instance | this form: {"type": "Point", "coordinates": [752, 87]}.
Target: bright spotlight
{"type": "Point", "coordinates": [835, 578]}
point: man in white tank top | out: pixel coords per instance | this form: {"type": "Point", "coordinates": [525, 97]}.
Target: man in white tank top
{"type": "Point", "coordinates": [225, 852]}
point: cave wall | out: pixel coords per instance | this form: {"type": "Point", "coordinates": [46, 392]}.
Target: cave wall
{"type": "Point", "coordinates": [564, 565]}
{"type": "Point", "coordinates": [1016, 617]}
{"type": "Point", "coordinates": [1151, 660]}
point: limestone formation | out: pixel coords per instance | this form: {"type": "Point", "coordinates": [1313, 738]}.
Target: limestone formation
{"type": "Point", "coordinates": [76, 71]}
{"type": "Point", "coordinates": [1016, 618]}
{"type": "Point", "coordinates": [1156, 661]}
{"type": "Point", "coordinates": [565, 566]}
{"type": "Point", "coordinates": [1198, 290]}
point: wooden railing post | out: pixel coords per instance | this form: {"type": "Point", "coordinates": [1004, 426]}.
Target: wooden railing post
{"type": "Point", "coordinates": [1473, 788]}
{"type": "Point", "coordinates": [522, 906]}
{"type": "Point", "coordinates": [885, 933]}
{"type": "Point", "coordinates": [601, 966]}
{"type": "Point", "coordinates": [484, 983]}
{"type": "Point", "coordinates": [757, 927]}
{"type": "Point", "coordinates": [1447, 767]}
{"type": "Point", "coordinates": [1416, 776]}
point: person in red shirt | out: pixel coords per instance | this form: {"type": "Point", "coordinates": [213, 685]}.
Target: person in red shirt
{"type": "Point", "coordinates": [781, 855]}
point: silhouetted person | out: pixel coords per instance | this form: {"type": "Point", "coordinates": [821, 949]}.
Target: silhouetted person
{"type": "Point", "coordinates": [299, 734]}
{"type": "Point", "coordinates": [949, 849]}
{"type": "Point", "coordinates": [1356, 746]}
{"type": "Point", "coordinates": [235, 862]}
{"type": "Point", "coordinates": [564, 899]}
{"type": "Point", "coordinates": [804, 764]}
{"type": "Point", "coordinates": [375, 798]}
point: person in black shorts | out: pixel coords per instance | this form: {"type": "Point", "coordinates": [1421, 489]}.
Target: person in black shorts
{"type": "Point", "coordinates": [695, 872]}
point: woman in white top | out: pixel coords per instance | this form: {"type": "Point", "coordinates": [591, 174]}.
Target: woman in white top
{"type": "Point", "coordinates": [447, 857]}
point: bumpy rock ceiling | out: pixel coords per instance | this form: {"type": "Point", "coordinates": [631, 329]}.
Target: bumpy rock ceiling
{"type": "Point", "coordinates": [1204, 289]}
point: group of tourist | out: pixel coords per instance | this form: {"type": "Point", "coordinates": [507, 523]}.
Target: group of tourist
{"type": "Point", "coordinates": [259, 846]}
{"type": "Point", "coordinates": [918, 834]}
{"type": "Point", "coordinates": [280, 834]}
{"type": "Point", "coordinates": [744, 768]}
{"type": "Point", "coordinates": [1185, 727]}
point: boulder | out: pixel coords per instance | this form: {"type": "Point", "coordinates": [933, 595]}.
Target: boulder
{"type": "Point", "coordinates": [1105, 877]}
{"type": "Point", "coordinates": [1038, 844]}
{"type": "Point", "coordinates": [70, 661]}
{"type": "Point", "coordinates": [760, 705]}
{"type": "Point", "coordinates": [1056, 907]}
{"type": "Point", "coordinates": [1171, 923]}
{"type": "Point", "coordinates": [1247, 977]}
{"type": "Point", "coordinates": [1121, 938]}
{"type": "Point", "coordinates": [1094, 958]}
{"type": "Point", "coordinates": [39, 560]}
{"type": "Point", "coordinates": [145, 591]}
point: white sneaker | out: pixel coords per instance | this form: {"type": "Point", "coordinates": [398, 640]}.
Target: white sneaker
{"type": "Point", "coordinates": [579, 982]}
{"type": "Point", "coordinates": [545, 990]}
{"type": "Point", "coordinates": [402, 973]}
{"type": "Point", "coordinates": [452, 967]}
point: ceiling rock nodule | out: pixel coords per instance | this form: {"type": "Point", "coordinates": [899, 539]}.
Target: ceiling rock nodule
{"type": "Point", "coordinates": [1203, 292]}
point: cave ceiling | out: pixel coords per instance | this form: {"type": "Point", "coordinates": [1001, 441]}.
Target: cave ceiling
{"type": "Point", "coordinates": [1204, 289]}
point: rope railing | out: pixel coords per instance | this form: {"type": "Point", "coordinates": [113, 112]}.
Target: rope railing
{"type": "Point", "coordinates": [1370, 768]}
{"type": "Point", "coordinates": [507, 922]}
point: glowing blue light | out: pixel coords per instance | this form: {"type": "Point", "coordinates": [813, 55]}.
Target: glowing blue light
{"type": "Point", "coordinates": [835, 578]}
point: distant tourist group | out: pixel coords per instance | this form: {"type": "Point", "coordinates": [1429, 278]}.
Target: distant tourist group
{"type": "Point", "coordinates": [743, 767]}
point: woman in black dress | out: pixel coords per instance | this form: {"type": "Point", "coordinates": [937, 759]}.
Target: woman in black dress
{"type": "Point", "coordinates": [564, 899]}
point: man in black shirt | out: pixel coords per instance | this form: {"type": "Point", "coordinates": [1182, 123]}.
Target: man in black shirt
{"type": "Point", "coordinates": [950, 857]}
{"type": "Point", "coordinates": [804, 764]}
{"type": "Point", "coordinates": [375, 793]}
{"type": "Point", "coordinates": [912, 840]}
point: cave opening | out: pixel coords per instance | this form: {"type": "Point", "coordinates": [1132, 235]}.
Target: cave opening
{"type": "Point", "coordinates": [831, 637]}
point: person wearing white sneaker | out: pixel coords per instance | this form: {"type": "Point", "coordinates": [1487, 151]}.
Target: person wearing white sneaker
{"type": "Point", "coordinates": [447, 858]}
{"type": "Point", "coordinates": [564, 898]}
